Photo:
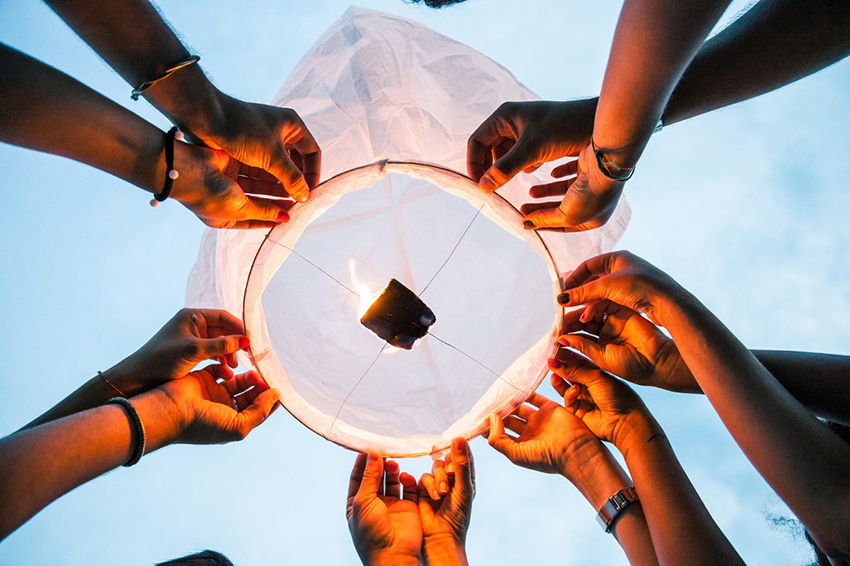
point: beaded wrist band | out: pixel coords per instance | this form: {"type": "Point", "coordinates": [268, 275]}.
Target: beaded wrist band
{"type": "Point", "coordinates": [136, 425]}
{"type": "Point", "coordinates": [621, 175]}
{"type": "Point", "coordinates": [164, 75]}
{"type": "Point", "coordinates": [170, 172]}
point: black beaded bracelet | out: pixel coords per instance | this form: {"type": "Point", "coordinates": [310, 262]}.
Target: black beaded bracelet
{"type": "Point", "coordinates": [137, 426]}
{"type": "Point", "coordinates": [170, 172]}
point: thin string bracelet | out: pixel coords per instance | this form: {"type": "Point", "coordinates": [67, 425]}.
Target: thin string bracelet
{"type": "Point", "coordinates": [170, 172]}
{"type": "Point", "coordinates": [136, 426]}
{"type": "Point", "coordinates": [163, 75]}
{"type": "Point", "coordinates": [604, 164]}
{"type": "Point", "coordinates": [110, 384]}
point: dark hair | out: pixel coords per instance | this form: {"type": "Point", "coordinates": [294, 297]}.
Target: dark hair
{"type": "Point", "coordinates": [436, 3]}
{"type": "Point", "coordinates": [205, 558]}
{"type": "Point", "coordinates": [843, 433]}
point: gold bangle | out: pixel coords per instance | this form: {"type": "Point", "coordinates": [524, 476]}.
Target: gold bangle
{"type": "Point", "coordinates": [164, 75]}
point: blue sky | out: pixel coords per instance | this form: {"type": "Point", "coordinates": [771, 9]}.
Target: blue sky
{"type": "Point", "coordinates": [744, 206]}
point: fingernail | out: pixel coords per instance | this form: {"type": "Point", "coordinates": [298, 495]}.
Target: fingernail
{"type": "Point", "coordinates": [275, 407]}
{"type": "Point", "coordinates": [459, 444]}
{"type": "Point", "coordinates": [563, 341]}
{"type": "Point", "coordinates": [528, 225]}
{"type": "Point", "coordinates": [450, 469]}
{"type": "Point", "coordinates": [444, 487]}
{"type": "Point", "coordinates": [244, 343]}
{"type": "Point", "coordinates": [564, 298]}
{"type": "Point", "coordinates": [486, 184]}
{"type": "Point", "coordinates": [555, 364]}
{"type": "Point", "coordinates": [574, 387]}
{"type": "Point", "coordinates": [282, 216]}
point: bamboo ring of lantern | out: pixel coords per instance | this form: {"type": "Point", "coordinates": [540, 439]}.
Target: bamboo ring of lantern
{"type": "Point", "coordinates": [464, 252]}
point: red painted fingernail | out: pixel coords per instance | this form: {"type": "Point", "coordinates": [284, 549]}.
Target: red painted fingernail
{"type": "Point", "coordinates": [563, 342]}
{"type": "Point", "coordinates": [528, 225]}
{"type": "Point", "coordinates": [282, 216]}
{"type": "Point", "coordinates": [564, 298]}
{"type": "Point", "coordinates": [555, 364]}
{"type": "Point", "coordinates": [244, 342]}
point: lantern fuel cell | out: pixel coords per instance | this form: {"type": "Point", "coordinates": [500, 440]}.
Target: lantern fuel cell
{"type": "Point", "coordinates": [399, 316]}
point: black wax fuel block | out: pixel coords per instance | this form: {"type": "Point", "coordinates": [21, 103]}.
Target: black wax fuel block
{"type": "Point", "coordinates": [399, 316]}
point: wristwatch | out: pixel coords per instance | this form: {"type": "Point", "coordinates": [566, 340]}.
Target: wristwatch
{"type": "Point", "coordinates": [614, 506]}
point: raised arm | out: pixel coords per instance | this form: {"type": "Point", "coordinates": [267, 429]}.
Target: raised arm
{"type": "Point", "coordinates": [682, 530]}
{"type": "Point", "coordinates": [46, 110]}
{"type": "Point", "coordinates": [621, 341]}
{"type": "Point", "coordinates": [802, 460]}
{"type": "Point", "coordinates": [550, 439]}
{"type": "Point", "coordinates": [40, 464]}
{"type": "Point", "coordinates": [132, 37]}
{"type": "Point", "coordinates": [776, 42]}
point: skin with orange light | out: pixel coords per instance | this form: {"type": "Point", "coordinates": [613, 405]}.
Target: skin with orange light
{"type": "Point", "coordinates": [49, 111]}
{"type": "Point", "coordinates": [802, 460]}
{"type": "Point", "coordinates": [551, 440]}
{"type": "Point", "coordinates": [394, 520]}
{"type": "Point", "coordinates": [652, 54]}
{"type": "Point", "coordinates": [81, 438]}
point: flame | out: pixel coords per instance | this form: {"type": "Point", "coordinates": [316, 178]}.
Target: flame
{"type": "Point", "coordinates": [367, 297]}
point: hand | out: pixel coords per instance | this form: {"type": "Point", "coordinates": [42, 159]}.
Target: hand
{"type": "Point", "coordinates": [588, 201]}
{"type": "Point", "coordinates": [521, 136]}
{"type": "Point", "coordinates": [209, 412]}
{"type": "Point", "coordinates": [382, 512]}
{"type": "Point", "coordinates": [190, 337]}
{"type": "Point", "coordinates": [445, 504]}
{"type": "Point", "coordinates": [607, 406]}
{"type": "Point", "coordinates": [625, 279]}
{"type": "Point", "coordinates": [551, 439]}
{"type": "Point", "coordinates": [216, 188]}
{"type": "Point", "coordinates": [266, 137]}
{"type": "Point", "coordinates": [622, 342]}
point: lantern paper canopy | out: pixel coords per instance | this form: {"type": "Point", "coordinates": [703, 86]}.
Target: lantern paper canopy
{"type": "Point", "coordinates": [465, 317]}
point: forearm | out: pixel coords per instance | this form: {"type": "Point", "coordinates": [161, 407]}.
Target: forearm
{"type": "Point", "coordinates": [599, 479]}
{"type": "Point", "coordinates": [93, 393]}
{"type": "Point", "coordinates": [775, 43]}
{"type": "Point", "coordinates": [46, 110]}
{"type": "Point", "coordinates": [777, 433]}
{"type": "Point", "coordinates": [653, 44]}
{"type": "Point", "coordinates": [43, 463]}
{"type": "Point", "coordinates": [132, 37]}
{"type": "Point", "coordinates": [821, 382]}
{"type": "Point", "coordinates": [681, 528]}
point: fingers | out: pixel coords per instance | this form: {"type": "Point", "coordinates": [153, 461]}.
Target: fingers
{"type": "Point", "coordinates": [546, 218]}
{"type": "Point", "coordinates": [392, 486]}
{"type": "Point", "coordinates": [219, 323]}
{"type": "Point", "coordinates": [565, 170]}
{"type": "Point", "coordinates": [410, 491]}
{"type": "Point", "coordinates": [464, 470]}
{"type": "Point", "coordinates": [586, 345]}
{"type": "Point", "coordinates": [222, 346]}
{"type": "Point", "coordinates": [481, 144]}
{"type": "Point", "coordinates": [587, 270]}
{"type": "Point", "coordinates": [356, 476]}
{"type": "Point", "coordinates": [556, 189]}
{"type": "Point", "coordinates": [373, 473]}
{"type": "Point", "coordinates": [258, 411]}
{"type": "Point", "coordinates": [438, 470]}
{"type": "Point", "coordinates": [514, 424]}
{"type": "Point", "coordinates": [311, 156]}
{"type": "Point", "coordinates": [282, 167]}
{"type": "Point", "coordinates": [428, 484]}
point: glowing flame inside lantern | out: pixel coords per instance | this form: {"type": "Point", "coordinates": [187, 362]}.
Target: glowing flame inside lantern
{"type": "Point", "coordinates": [366, 298]}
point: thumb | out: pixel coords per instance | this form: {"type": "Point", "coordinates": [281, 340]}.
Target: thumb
{"type": "Point", "coordinates": [262, 210]}
{"type": "Point", "coordinates": [498, 439]}
{"type": "Point", "coordinates": [584, 345]}
{"type": "Point", "coordinates": [519, 157]}
{"type": "Point", "coordinates": [289, 176]}
{"type": "Point", "coordinates": [552, 217]}
{"type": "Point", "coordinates": [464, 475]}
{"type": "Point", "coordinates": [254, 414]}
{"type": "Point", "coordinates": [581, 295]}
{"type": "Point", "coordinates": [214, 347]}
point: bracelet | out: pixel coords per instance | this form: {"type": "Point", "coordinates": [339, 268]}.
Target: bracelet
{"type": "Point", "coordinates": [614, 506]}
{"type": "Point", "coordinates": [110, 384]}
{"type": "Point", "coordinates": [164, 75]}
{"type": "Point", "coordinates": [170, 172]}
{"type": "Point", "coordinates": [603, 164]}
{"type": "Point", "coordinates": [136, 425]}
{"type": "Point", "coordinates": [659, 126]}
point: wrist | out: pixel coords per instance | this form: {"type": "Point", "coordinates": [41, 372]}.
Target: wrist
{"type": "Point", "coordinates": [597, 476]}
{"type": "Point", "coordinates": [162, 418]}
{"type": "Point", "coordinates": [443, 548]}
{"type": "Point", "coordinates": [190, 101]}
{"type": "Point", "coordinates": [637, 430]}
